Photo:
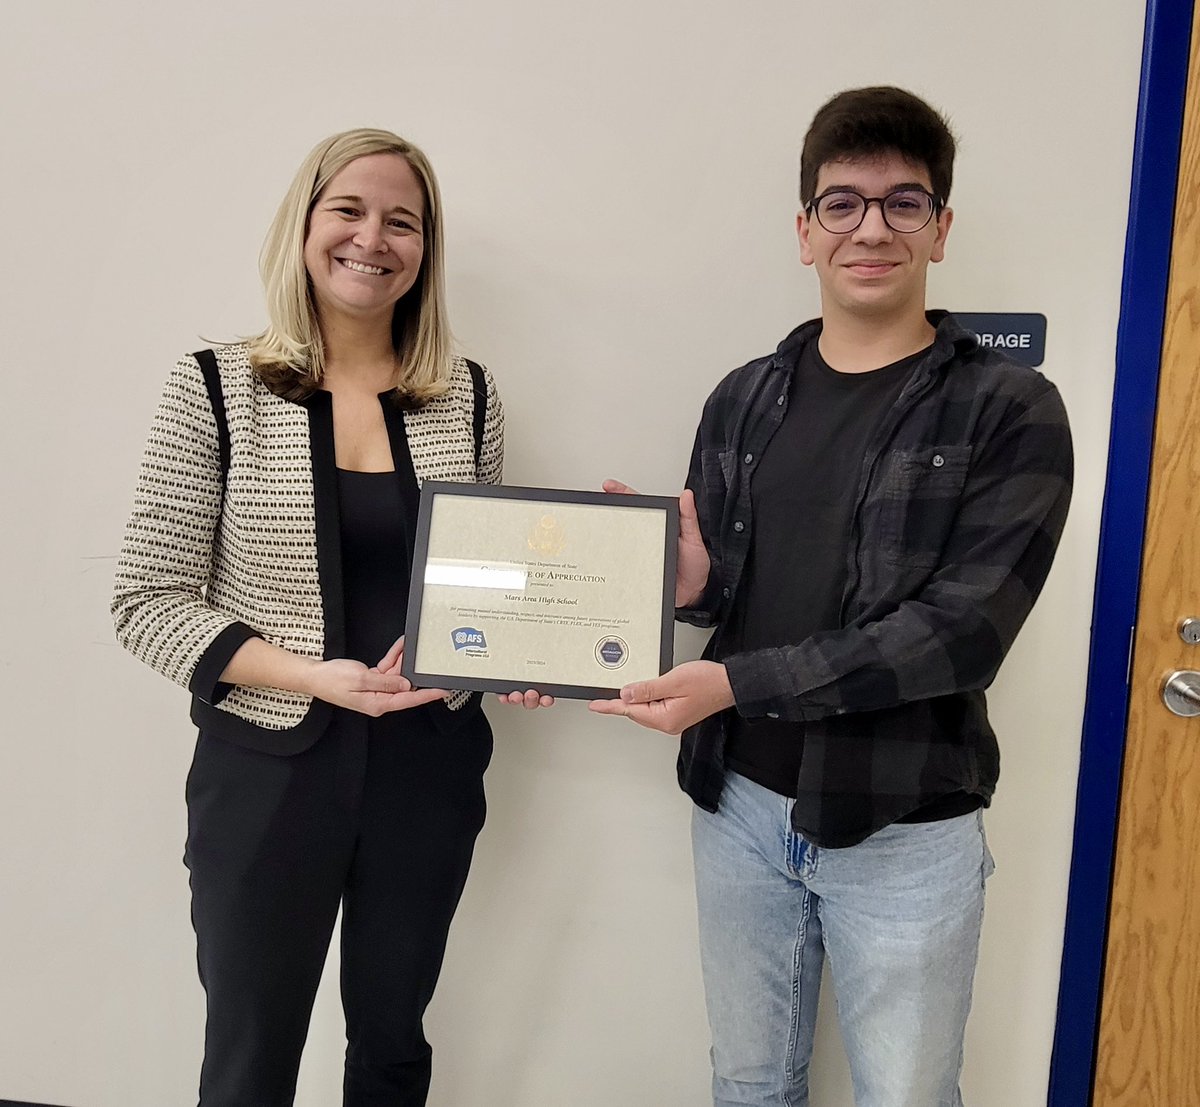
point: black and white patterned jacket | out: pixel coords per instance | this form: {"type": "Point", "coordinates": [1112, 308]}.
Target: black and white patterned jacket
{"type": "Point", "coordinates": [210, 560]}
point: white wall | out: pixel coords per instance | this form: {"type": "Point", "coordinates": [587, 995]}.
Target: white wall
{"type": "Point", "coordinates": [619, 179]}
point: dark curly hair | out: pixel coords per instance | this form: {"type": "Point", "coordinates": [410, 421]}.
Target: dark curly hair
{"type": "Point", "coordinates": [864, 122]}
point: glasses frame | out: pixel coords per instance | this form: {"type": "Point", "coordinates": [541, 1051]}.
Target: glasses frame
{"type": "Point", "coordinates": [935, 208]}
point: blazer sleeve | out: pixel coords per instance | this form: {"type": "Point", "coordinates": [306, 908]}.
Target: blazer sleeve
{"type": "Point", "coordinates": [490, 469]}
{"type": "Point", "coordinates": [158, 605]}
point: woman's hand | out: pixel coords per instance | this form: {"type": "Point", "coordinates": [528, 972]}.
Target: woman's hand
{"type": "Point", "coordinates": [351, 684]}
{"type": "Point", "coordinates": [346, 683]}
{"type": "Point", "coordinates": [693, 564]}
{"type": "Point", "coordinates": [528, 699]}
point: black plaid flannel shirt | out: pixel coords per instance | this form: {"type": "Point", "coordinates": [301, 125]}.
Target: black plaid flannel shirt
{"type": "Point", "coordinates": [961, 501]}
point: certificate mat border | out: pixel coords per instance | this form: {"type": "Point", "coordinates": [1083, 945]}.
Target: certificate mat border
{"type": "Point", "coordinates": [432, 489]}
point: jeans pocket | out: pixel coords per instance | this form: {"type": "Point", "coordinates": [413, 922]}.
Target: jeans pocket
{"type": "Point", "coordinates": [989, 862]}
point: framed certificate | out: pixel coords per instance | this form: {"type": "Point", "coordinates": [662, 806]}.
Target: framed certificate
{"type": "Point", "coordinates": [571, 593]}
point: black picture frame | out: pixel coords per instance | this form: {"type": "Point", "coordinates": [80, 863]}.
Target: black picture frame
{"type": "Point", "coordinates": [664, 612]}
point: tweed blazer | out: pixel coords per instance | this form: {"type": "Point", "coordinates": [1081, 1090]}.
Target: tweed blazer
{"type": "Point", "coordinates": [212, 558]}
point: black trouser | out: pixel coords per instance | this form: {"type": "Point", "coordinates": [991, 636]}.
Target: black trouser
{"type": "Point", "coordinates": [379, 816]}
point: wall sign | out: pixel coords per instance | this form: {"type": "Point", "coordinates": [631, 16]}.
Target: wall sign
{"type": "Point", "coordinates": [1021, 336]}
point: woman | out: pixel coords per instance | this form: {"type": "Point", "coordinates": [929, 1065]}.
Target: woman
{"type": "Point", "coordinates": [266, 568]}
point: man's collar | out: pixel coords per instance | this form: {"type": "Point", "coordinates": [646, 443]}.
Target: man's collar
{"type": "Point", "coordinates": [951, 333]}
{"type": "Point", "coordinates": [950, 338]}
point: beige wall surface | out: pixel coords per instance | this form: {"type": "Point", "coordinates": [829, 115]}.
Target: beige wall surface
{"type": "Point", "coordinates": [620, 187]}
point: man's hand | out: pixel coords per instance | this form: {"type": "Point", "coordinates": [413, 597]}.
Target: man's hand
{"type": "Point", "coordinates": [693, 564]}
{"type": "Point", "coordinates": [529, 699]}
{"type": "Point", "coordinates": [674, 701]}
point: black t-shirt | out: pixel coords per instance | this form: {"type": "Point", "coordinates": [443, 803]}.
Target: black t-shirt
{"type": "Point", "coordinates": [803, 495]}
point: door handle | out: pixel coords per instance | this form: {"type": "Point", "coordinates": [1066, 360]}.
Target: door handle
{"type": "Point", "coordinates": [1181, 693]}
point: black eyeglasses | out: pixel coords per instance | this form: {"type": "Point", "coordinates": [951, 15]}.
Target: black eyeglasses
{"type": "Point", "coordinates": [905, 210]}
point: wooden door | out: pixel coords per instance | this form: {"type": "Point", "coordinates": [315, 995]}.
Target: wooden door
{"type": "Point", "coordinates": [1149, 1041]}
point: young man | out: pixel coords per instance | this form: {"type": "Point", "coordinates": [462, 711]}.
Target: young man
{"type": "Point", "coordinates": [870, 514]}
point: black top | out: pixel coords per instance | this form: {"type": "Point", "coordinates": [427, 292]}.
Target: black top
{"type": "Point", "coordinates": [803, 493]}
{"type": "Point", "coordinates": [378, 528]}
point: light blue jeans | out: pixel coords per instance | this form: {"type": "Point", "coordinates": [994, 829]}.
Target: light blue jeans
{"type": "Point", "coordinates": [899, 918]}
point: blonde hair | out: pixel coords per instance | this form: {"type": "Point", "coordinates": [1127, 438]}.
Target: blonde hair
{"type": "Point", "coordinates": [289, 355]}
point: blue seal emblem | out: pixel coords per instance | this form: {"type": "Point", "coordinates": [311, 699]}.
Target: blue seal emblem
{"type": "Point", "coordinates": [612, 652]}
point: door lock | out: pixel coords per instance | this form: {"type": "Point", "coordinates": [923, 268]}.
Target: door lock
{"type": "Point", "coordinates": [1181, 693]}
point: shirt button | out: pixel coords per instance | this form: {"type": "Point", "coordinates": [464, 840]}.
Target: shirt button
{"type": "Point", "coordinates": [779, 402]}
{"type": "Point", "coordinates": [772, 714]}
{"type": "Point", "coordinates": [938, 461]}
{"type": "Point", "coordinates": [739, 526]}
{"type": "Point", "coordinates": [748, 458]}
{"type": "Point", "coordinates": [725, 592]}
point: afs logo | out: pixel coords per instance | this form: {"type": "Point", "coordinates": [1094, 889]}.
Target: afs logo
{"type": "Point", "coordinates": [468, 638]}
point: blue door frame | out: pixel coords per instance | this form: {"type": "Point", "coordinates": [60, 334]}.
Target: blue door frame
{"type": "Point", "coordinates": [1122, 530]}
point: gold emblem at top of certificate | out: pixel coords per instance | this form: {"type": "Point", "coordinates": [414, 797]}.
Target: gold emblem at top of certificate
{"type": "Point", "coordinates": [547, 537]}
